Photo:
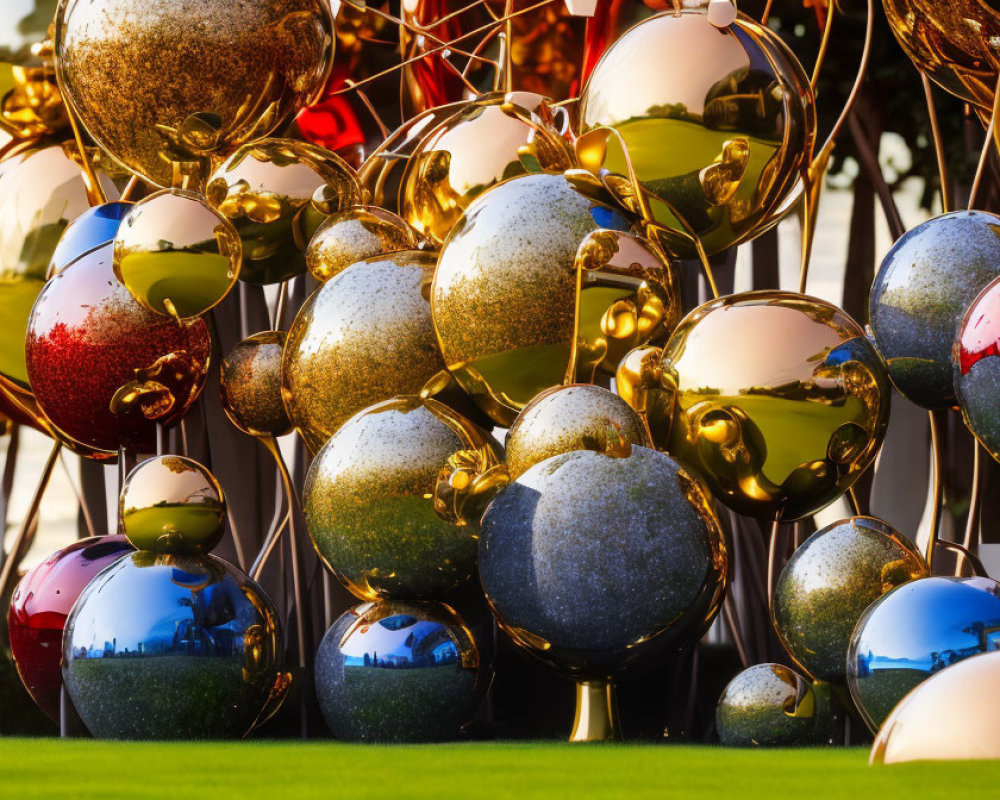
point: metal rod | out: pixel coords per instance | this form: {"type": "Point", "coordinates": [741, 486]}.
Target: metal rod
{"type": "Point", "coordinates": [80, 496]}
{"type": "Point", "coordinates": [938, 143]}
{"type": "Point", "coordinates": [732, 625]}
{"type": "Point", "coordinates": [772, 558]}
{"type": "Point", "coordinates": [970, 542]}
{"type": "Point", "coordinates": [938, 455]}
{"type": "Point", "coordinates": [852, 498]}
{"type": "Point", "coordinates": [824, 43]}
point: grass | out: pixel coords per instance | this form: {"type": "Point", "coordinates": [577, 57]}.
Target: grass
{"type": "Point", "coordinates": [45, 768]}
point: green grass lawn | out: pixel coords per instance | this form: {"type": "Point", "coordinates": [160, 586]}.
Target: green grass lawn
{"type": "Point", "coordinates": [47, 768]}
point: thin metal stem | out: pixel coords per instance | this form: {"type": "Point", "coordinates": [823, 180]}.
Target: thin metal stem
{"type": "Point", "coordinates": [767, 12]}
{"type": "Point", "coordinates": [938, 144]}
{"type": "Point", "coordinates": [732, 624]}
{"type": "Point", "coordinates": [823, 45]}
{"type": "Point", "coordinates": [936, 487]}
{"type": "Point", "coordinates": [95, 192]}
{"type": "Point", "coordinates": [974, 562]}
{"type": "Point", "coordinates": [80, 497]}
{"type": "Point", "coordinates": [991, 132]}
{"type": "Point", "coordinates": [852, 497]}
{"type": "Point", "coordinates": [772, 558]}
{"type": "Point", "coordinates": [133, 185]}
{"type": "Point", "coordinates": [279, 306]}
{"type": "Point", "coordinates": [971, 540]}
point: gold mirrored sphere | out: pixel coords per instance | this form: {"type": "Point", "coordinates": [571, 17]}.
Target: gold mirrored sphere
{"type": "Point", "coordinates": [172, 504]}
{"type": "Point", "coordinates": [156, 85]}
{"type": "Point", "coordinates": [176, 254]}
{"type": "Point", "coordinates": [276, 193]}
{"type": "Point", "coordinates": [250, 385]}
{"type": "Point", "coordinates": [358, 233]}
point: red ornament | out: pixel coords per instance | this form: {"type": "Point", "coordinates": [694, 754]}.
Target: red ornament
{"type": "Point", "coordinates": [332, 123]}
{"type": "Point", "coordinates": [103, 369]}
{"type": "Point", "coordinates": [41, 603]}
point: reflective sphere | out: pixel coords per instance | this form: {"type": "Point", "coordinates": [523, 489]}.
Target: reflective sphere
{"type": "Point", "coordinates": [493, 138]}
{"type": "Point", "coordinates": [369, 500]}
{"type": "Point", "coordinates": [173, 647]}
{"type": "Point", "coordinates": [397, 672]}
{"type": "Point", "coordinates": [172, 504]}
{"type": "Point", "coordinates": [353, 235]}
{"type": "Point", "coordinates": [40, 605]}
{"type": "Point", "coordinates": [976, 375]}
{"type": "Point", "coordinates": [176, 254]}
{"type": "Point", "coordinates": [828, 583]}
{"type": "Point", "coordinates": [914, 631]}
{"type": "Point", "coordinates": [770, 705]}
{"type": "Point", "coordinates": [362, 337]}
{"type": "Point", "coordinates": [925, 284]}
{"type": "Point", "coordinates": [94, 228]}
{"type": "Point", "coordinates": [155, 86]}
{"type": "Point", "coordinates": [504, 298]}
{"type": "Point", "coordinates": [546, 563]}
{"type": "Point", "coordinates": [250, 385]}
{"type": "Point", "coordinates": [957, 44]}
{"type": "Point", "coordinates": [41, 193]}
{"type": "Point", "coordinates": [104, 369]}
{"type": "Point", "coordinates": [779, 401]}
{"type": "Point", "coordinates": [717, 145]}
{"type": "Point", "coordinates": [276, 192]}
{"type": "Point", "coordinates": [567, 418]}
{"type": "Point", "coordinates": [951, 716]}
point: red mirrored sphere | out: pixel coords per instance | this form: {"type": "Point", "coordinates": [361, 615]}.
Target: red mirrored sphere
{"type": "Point", "coordinates": [41, 603]}
{"type": "Point", "coordinates": [105, 370]}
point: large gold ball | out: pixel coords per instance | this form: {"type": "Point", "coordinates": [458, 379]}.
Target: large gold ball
{"type": "Point", "coordinates": [567, 418]}
{"type": "Point", "coordinates": [362, 337]}
{"type": "Point", "coordinates": [493, 138]}
{"type": "Point", "coordinates": [369, 500]}
{"type": "Point", "coordinates": [250, 385]}
{"type": "Point", "coordinates": [828, 583]}
{"type": "Point", "coordinates": [155, 83]}
{"type": "Point", "coordinates": [718, 123]}
{"type": "Point", "coordinates": [277, 192]}
{"type": "Point", "coordinates": [504, 298]}
{"type": "Point", "coordinates": [353, 235]}
{"type": "Point", "coordinates": [778, 400]}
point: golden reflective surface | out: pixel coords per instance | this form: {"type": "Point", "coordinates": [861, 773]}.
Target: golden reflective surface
{"type": "Point", "coordinates": [276, 192]}
{"type": "Point", "coordinates": [176, 254]}
{"type": "Point", "coordinates": [172, 504]}
{"type": "Point", "coordinates": [250, 385]}
{"type": "Point", "coordinates": [778, 400]}
{"type": "Point", "coordinates": [567, 418]}
{"type": "Point", "coordinates": [155, 86]}
{"type": "Point", "coordinates": [364, 336]}
{"type": "Point", "coordinates": [949, 717]}
{"type": "Point", "coordinates": [716, 145]}
{"type": "Point", "coordinates": [538, 282]}
{"type": "Point", "coordinates": [358, 233]}
{"type": "Point", "coordinates": [956, 43]}
{"type": "Point", "coordinates": [495, 137]}
{"type": "Point", "coordinates": [41, 192]}
{"type": "Point", "coordinates": [369, 500]}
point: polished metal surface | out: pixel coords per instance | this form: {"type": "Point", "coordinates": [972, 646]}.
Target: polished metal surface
{"type": "Point", "coordinates": [398, 672]}
{"type": "Point", "coordinates": [975, 365]}
{"type": "Point", "coordinates": [353, 235]}
{"type": "Point", "coordinates": [250, 385]}
{"type": "Point", "coordinates": [172, 647]}
{"type": "Point", "coordinates": [94, 228]}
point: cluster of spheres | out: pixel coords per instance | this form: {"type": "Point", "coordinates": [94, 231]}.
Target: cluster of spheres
{"type": "Point", "coordinates": [492, 371]}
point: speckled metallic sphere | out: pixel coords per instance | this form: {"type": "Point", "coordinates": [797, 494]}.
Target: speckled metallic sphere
{"type": "Point", "coordinates": [952, 716]}
{"type": "Point", "coordinates": [104, 369]}
{"type": "Point", "coordinates": [172, 504]}
{"type": "Point", "coordinates": [770, 705]}
{"type": "Point", "coordinates": [397, 672]}
{"type": "Point", "coordinates": [369, 500]}
{"type": "Point", "coordinates": [504, 293]}
{"type": "Point", "coordinates": [94, 228]}
{"type": "Point", "coordinates": [40, 605]}
{"type": "Point", "coordinates": [567, 418]}
{"type": "Point", "coordinates": [600, 563]}
{"type": "Point", "coordinates": [778, 400]}
{"type": "Point", "coordinates": [364, 336]}
{"type": "Point", "coordinates": [925, 284]}
{"type": "Point", "coordinates": [914, 631]}
{"type": "Point", "coordinates": [276, 192]}
{"type": "Point", "coordinates": [250, 385]}
{"type": "Point", "coordinates": [977, 368]}
{"type": "Point", "coordinates": [153, 83]}
{"type": "Point", "coordinates": [173, 647]}
{"type": "Point", "coordinates": [828, 583]}
{"type": "Point", "coordinates": [353, 235]}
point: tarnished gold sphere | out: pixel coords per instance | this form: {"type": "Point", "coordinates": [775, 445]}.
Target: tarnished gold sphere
{"type": "Point", "coordinates": [157, 85]}
{"type": "Point", "coordinates": [176, 254]}
{"type": "Point", "coordinates": [777, 399]}
{"type": "Point", "coordinates": [277, 192]}
{"type": "Point", "coordinates": [495, 137]}
{"type": "Point", "coordinates": [718, 124]}
{"type": "Point", "coordinates": [828, 583]}
{"type": "Point", "coordinates": [250, 385]}
{"type": "Point", "coordinates": [567, 418]}
{"type": "Point", "coordinates": [364, 336]}
{"type": "Point", "coordinates": [358, 233]}
{"type": "Point", "coordinates": [538, 283]}
{"type": "Point", "coordinates": [172, 504]}
{"type": "Point", "coordinates": [370, 495]}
